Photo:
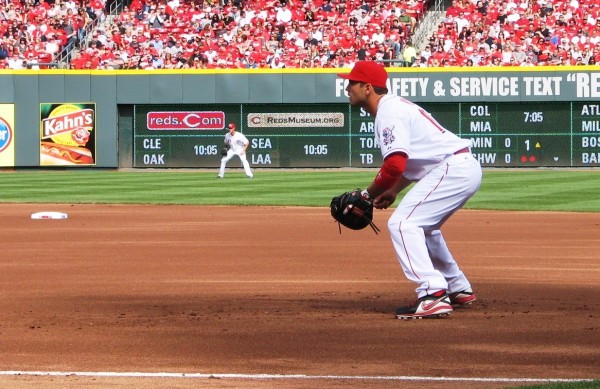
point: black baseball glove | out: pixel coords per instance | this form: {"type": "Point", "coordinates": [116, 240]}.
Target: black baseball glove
{"type": "Point", "coordinates": [354, 210]}
{"type": "Point", "coordinates": [225, 149]}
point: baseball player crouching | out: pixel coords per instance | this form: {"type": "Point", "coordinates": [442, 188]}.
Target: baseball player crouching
{"type": "Point", "coordinates": [236, 144]}
{"type": "Point", "coordinates": [417, 150]}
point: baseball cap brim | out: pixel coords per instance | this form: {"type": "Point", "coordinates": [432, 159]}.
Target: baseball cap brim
{"type": "Point", "coordinates": [349, 76]}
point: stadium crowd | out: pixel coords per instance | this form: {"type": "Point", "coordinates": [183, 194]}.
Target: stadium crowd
{"type": "Point", "coordinates": [35, 31]}
{"type": "Point", "coordinates": [516, 33]}
{"type": "Point", "coordinates": [208, 34]}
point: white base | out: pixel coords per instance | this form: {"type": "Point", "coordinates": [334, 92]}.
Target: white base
{"type": "Point", "coordinates": [49, 215]}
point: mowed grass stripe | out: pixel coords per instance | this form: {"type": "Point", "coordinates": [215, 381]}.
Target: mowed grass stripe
{"type": "Point", "coordinates": [532, 190]}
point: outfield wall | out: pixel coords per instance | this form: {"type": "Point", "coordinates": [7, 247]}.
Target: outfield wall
{"type": "Point", "coordinates": [507, 113]}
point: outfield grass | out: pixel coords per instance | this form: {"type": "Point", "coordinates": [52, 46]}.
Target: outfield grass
{"type": "Point", "coordinates": [566, 385]}
{"type": "Point", "coordinates": [532, 190]}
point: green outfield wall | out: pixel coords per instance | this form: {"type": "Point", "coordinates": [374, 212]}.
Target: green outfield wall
{"type": "Point", "coordinates": [294, 118]}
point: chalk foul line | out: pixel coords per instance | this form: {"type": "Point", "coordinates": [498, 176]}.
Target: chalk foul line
{"type": "Point", "coordinates": [277, 376]}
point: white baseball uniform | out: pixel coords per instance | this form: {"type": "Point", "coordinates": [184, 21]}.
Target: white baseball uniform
{"type": "Point", "coordinates": [237, 142]}
{"type": "Point", "coordinates": [446, 176]}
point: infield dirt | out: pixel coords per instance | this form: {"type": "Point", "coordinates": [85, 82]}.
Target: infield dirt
{"type": "Point", "coordinates": [277, 290]}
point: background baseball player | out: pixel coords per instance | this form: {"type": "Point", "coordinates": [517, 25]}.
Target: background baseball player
{"type": "Point", "coordinates": [236, 144]}
{"type": "Point", "coordinates": [416, 148]}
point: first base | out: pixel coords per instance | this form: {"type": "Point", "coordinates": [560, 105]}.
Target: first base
{"type": "Point", "coordinates": [49, 215]}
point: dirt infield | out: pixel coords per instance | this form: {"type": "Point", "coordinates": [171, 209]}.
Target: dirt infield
{"type": "Point", "coordinates": [278, 291]}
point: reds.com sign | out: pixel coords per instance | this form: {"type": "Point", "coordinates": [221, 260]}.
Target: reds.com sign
{"type": "Point", "coordinates": [186, 120]}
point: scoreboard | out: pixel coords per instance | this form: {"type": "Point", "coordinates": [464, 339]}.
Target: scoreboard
{"type": "Point", "coordinates": [504, 134]}
{"type": "Point", "coordinates": [527, 134]}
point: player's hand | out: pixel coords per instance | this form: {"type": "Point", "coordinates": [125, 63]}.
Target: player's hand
{"type": "Point", "coordinates": [385, 199]}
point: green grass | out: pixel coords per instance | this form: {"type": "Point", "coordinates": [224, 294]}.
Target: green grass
{"type": "Point", "coordinates": [555, 190]}
{"type": "Point", "coordinates": [565, 385]}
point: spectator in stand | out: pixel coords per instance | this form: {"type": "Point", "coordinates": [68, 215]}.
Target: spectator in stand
{"type": "Point", "coordinates": [507, 53]}
{"type": "Point", "coordinates": [376, 17]}
{"type": "Point", "coordinates": [464, 33]}
{"type": "Point", "coordinates": [543, 31]}
{"type": "Point", "coordinates": [513, 16]}
{"type": "Point", "coordinates": [12, 61]}
{"type": "Point", "coordinates": [408, 21]}
{"type": "Point", "coordinates": [248, 61]}
{"type": "Point", "coordinates": [481, 7]}
{"type": "Point", "coordinates": [82, 23]}
{"type": "Point", "coordinates": [455, 55]}
{"type": "Point", "coordinates": [262, 64]}
{"type": "Point", "coordinates": [439, 55]}
{"type": "Point", "coordinates": [409, 54]}
{"type": "Point", "coordinates": [519, 54]}
{"type": "Point", "coordinates": [461, 22]}
{"type": "Point", "coordinates": [70, 32]}
{"type": "Point", "coordinates": [116, 60]}
{"type": "Point", "coordinates": [169, 61]}
{"type": "Point", "coordinates": [22, 44]}
{"type": "Point", "coordinates": [542, 52]}
{"type": "Point", "coordinates": [397, 31]}
{"type": "Point", "coordinates": [156, 18]}
{"type": "Point", "coordinates": [317, 31]}
{"type": "Point", "coordinates": [586, 53]}
{"type": "Point", "coordinates": [426, 53]}
{"type": "Point", "coordinates": [4, 50]}
{"type": "Point", "coordinates": [576, 52]}
{"type": "Point", "coordinates": [97, 7]}
{"type": "Point", "coordinates": [6, 14]}
{"type": "Point", "coordinates": [211, 55]}
{"type": "Point", "coordinates": [284, 15]}
{"type": "Point", "coordinates": [527, 62]}
{"type": "Point", "coordinates": [378, 36]}
{"type": "Point", "coordinates": [470, 46]}
{"type": "Point", "coordinates": [580, 38]}
{"type": "Point", "coordinates": [454, 9]}
{"type": "Point", "coordinates": [419, 62]}
{"type": "Point", "coordinates": [276, 63]}
{"type": "Point", "coordinates": [495, 62]}
{"type": "Point", "coordinates": [157, 43]}
{"type": "Point", "coordinates": [52, 45]}
{"type": "Point", "coordinates": [361, 16]}
{"type": "Point", "coordinates": [476, 58]}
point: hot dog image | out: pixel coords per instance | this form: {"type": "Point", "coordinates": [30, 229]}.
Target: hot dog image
{"type": "Point", "coordinates": [66, 131]}
{"type": "Point", "coordinates": [57, 154]}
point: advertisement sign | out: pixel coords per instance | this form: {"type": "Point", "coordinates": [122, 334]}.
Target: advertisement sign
{"type": "Point", "coordinates": [67, 134]}
{"type": "Point", "coordinates": [7, 135]}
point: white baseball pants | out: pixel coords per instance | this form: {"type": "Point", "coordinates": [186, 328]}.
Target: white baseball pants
{"type": "Point", "coordinates": [416, 222]}
{"type": "Point", "coordinates": [231, 154]}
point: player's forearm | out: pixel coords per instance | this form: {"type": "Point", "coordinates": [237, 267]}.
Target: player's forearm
{"type": "Point", "coordinates": [389, 175]}
{"type": "Point", "coordinates": [374, 190]}
{"type": "Point", "coordinates": [402, 183]}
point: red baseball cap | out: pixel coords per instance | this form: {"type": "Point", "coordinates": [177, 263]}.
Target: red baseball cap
{"type": "Point", "coordinates": [231, 125]}
{"type": "Point", "coordinates": [369, 72]}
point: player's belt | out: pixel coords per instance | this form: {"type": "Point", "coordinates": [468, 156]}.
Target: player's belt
{"type": "Point", "coordinates": [462, 151]}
